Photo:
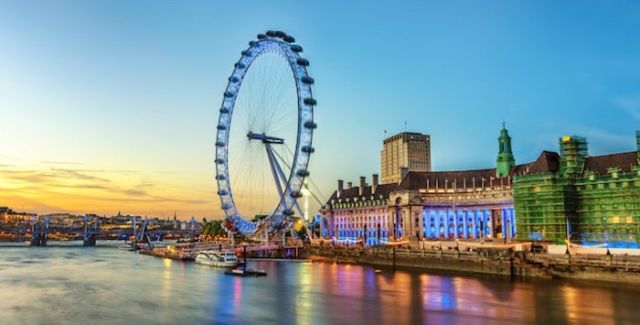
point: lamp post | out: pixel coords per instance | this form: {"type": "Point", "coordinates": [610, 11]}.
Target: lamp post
{"type": "Point", "coordinates": [606, 234]}
{"type": "Point", "coordinates": [244, 256]}
{"type": "Point", "coordinates": [567, 239]}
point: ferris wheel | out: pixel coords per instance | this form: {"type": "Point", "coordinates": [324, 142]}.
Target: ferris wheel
{"type": "Point", "coordinates": [264, 135]}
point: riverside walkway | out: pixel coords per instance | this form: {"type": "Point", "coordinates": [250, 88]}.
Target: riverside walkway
{"type": "Point", "coordinates": [515, 260]}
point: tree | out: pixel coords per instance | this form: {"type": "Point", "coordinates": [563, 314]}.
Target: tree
{"type": "Point", "coordinates": [213, 229]}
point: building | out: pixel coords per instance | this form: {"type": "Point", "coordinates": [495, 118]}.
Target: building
{"type": "Point", "coordinates": [463, 204]}
{"type": "Point", "coordinates": [64, 220]}
{"type": "Point", "coordinates": [588, 199]}
{"type": "Point", "coordinates": [560, 196]}
{"type": "Point", "coordinates": [8, 216]}
{"type": "Point", "coordinates": [432, 205]}
{"type": "Point", "coordinates": [358, 213]}
{"type": "Point", "coordinates": [460, 204]}
{"type": "Point", "coordinates": [402, 153]}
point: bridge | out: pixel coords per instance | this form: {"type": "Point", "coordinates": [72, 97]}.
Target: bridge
{"type": "Point", "coordinates": [42, 231]}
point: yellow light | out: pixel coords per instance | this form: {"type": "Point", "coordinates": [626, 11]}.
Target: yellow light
{"type": "Point", "coordinates": [167, 262]}
{"type": "Point", "coordinates": [297, 225]}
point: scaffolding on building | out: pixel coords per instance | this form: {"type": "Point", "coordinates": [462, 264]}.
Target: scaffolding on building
{"type": "Point", "coordinates": [578, 205]}
{"type": "Point", "coordinates": [544, 205]}
{"type": "Point", "coordinates": [609, 208]}
{"type": "Point", "coordinates": [573, 151]}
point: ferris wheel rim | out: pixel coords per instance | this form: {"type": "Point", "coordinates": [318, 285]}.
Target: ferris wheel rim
{"type": "Point", "coordinates": [280, 43]}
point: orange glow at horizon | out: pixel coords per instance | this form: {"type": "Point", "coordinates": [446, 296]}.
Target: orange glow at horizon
{"type": "Point", "coordinates": [49, 187]}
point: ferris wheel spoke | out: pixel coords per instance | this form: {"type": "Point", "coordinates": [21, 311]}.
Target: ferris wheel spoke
{"type": "Point", "coordinates": [284, 179]}
{"type": "Point", "coordinates": [276, 170]}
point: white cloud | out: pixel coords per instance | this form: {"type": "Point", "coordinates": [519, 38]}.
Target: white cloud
{"type": "Point", "coordinates": [630, 105]}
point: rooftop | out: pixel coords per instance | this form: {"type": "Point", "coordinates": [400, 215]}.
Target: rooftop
{"type": "Point", "coordinates": [600, 164]}
{"type": "Point", "coordinates": [408, 136]}
{"type": "Point", "coordinates": [547, 162]}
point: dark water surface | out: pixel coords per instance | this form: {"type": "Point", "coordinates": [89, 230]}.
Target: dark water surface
{"type": "Point", "coordinates": [65, 285]}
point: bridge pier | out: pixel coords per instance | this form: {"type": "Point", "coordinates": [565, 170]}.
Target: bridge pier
{"type": "Point", "coordinates": [39, 232]}
{"type": "Point", "coordinates": [90, 233]}
{"type": "Point", "coordinates": [89, 241]}
{"type": "Point", "coordinates": [39, 239]}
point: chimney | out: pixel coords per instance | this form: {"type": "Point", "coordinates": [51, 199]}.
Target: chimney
{"type": "Point", "coordinates": [362, 184]}
{"type": "Point", "coordinates": [340, 187]}
{"type": "Point", "coordinates": [349, 185]}
{"type": "Point", "coordinates": [374, 183]}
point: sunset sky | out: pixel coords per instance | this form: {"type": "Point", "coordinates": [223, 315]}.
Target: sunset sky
{"type": "Point", "coordinates": [110, 106]}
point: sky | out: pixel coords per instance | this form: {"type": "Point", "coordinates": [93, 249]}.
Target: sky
{"type": "Point", "coordinates": [110, 106]}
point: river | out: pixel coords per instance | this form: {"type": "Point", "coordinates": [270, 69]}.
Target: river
{"type": "Point", "coordinates": [102, 285]}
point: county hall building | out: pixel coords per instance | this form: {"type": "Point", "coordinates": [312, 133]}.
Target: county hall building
{"type": "Point", "coordinates": [417, 203]}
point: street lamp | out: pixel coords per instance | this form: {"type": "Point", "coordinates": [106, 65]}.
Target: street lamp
{"type": "Point", "coordinates": [244, 255]}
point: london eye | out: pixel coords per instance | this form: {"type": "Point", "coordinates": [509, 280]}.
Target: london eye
{"type": "Point", "coordinates": [264, 136]}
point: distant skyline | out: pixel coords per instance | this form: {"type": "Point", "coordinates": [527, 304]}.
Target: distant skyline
{"type": "Point", "coordinates": [112, 105]}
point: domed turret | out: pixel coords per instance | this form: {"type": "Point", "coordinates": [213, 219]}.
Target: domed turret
{"type": "Point", "coordinates": [505, 161]}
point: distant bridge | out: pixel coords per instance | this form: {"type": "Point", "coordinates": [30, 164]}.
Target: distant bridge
{"type": "Point", "coordinates": [42, 231]}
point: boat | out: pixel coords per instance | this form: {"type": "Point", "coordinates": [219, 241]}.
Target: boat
{"type": "Point", "coordinates": [246, 272]}
{"type": "Point", "coordinates": [242, 270]}
{"type": "Point", "coordinates": [127, 247]}
{"type": "Point", "coordinates": [217, 258]}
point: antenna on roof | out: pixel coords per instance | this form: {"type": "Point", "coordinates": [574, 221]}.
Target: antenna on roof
{"type": "Point", "coordinates": [405, 125]}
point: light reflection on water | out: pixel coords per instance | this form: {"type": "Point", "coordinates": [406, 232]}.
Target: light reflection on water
{"type": "Point", "coordinates": [106, 286]}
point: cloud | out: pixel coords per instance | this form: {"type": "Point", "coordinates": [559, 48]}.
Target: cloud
{"type": "Point", "coordinates": [629, 105]}
{"type": "Point", "coordinates": [85, 184]}
{"type": "Point", "coordinates": [77, 174]}
{"type": "Point", "coordinates": [24, 204]}
{"type": "Point", "coordinates": [168, 172]}
{"type": "Point", "coordinates": [606, 142]}
{"type": "Point", "coordinates": [49, 175]}
{"type": "Point", "coordinates": [135, 192]}
{"type": "Point", "coordinates": [54, 162]}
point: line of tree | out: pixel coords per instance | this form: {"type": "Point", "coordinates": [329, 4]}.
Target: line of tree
{"type": "Point", "coordinates": [213, 229]}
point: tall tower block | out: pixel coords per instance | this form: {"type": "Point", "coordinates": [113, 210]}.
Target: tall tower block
{"type": "Point", "coordinates": [406, 151]}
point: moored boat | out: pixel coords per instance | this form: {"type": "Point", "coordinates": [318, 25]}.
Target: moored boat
{"type": "Point", "coordinates": [127, 247]}
{"type": "Point", "coordinates": [217, 258]}
{"type": "Point", "coordinates": [243, 271]}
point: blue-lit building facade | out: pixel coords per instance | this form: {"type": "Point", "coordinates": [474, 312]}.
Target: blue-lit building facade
{"type": "Point", "coordinates": [358, 214]}
{"type": "Point", "coordinates": [431, 205]}
{"type": "Point", "coordinates": [441, 205]}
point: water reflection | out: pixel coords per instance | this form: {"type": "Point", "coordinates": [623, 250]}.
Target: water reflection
{"type": "Point", "coordinates": [107, 286]}
{"type": "Point", "coordinates": [166, 281]}
{"type": "Point", "coordinates": [303, 299]}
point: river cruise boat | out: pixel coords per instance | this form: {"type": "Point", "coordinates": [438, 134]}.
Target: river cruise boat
{"type": "Point", "coordinates": [217, 258]}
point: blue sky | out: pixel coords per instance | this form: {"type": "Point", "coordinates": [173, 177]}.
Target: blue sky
{"type": "Point", "coordinates": [132, 88]}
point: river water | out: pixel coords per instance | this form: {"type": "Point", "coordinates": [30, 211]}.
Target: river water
{"type": "Point", "coordinates": [102, 285]}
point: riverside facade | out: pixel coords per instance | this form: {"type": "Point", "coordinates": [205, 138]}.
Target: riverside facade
{"type": "Point", "coordinates": [481, 203]}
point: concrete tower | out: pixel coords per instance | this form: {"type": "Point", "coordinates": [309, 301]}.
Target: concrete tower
{"type": "Point", "coordinates": [405, 151]}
